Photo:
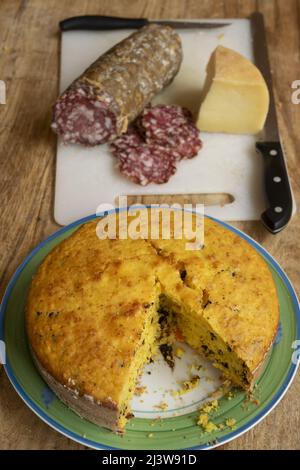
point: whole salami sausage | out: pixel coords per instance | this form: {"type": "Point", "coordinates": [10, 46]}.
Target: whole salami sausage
{"type": "Point", "coordinates": [101, 103]}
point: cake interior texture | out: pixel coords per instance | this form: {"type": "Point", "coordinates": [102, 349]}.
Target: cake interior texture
{"type": "Point", "coordinates": [99, 310]}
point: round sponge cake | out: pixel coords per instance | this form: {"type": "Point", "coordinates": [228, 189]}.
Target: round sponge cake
{"type": "Point", "coordinates": [92, 314]}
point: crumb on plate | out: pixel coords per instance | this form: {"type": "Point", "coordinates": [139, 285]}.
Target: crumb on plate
{"type": "Point", "coordinates": [187, 386]}
{"type": "Point", "coordinates": [230, 422]}
{"type": "Point", "coordinates": [139, 390]}
{"type": "Point", "coordinates": [162, 406]}
{"type": "Point", "coordinates": [210, 407]}
{"type": "Point", "coordinates": [179, 352]}
{"type": "Point", "coordinates": [205, 423]}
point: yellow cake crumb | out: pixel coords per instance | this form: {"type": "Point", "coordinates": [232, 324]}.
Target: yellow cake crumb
{"type": "Point", "coordinates": [191, 384]}
{"type": "Point", "coordinates": [140, 390]}
{"type": "Point", "coordinates": [162, 406]}
{"type": "Point", "coordinates": [204, 418]}
{"type": "Point", "coordinates": [195, 367]}
{"type": "Point", "coordinates": [230, 422]}
{"type": "Point", "coordinates": [210, 407]}
{"type": "Point", "coordinates": [187, 386]}
{"type": "Point", "coordinates": [205, 423]}
{"type": "Point", "coordinates": [211, 427]}
{"type": "Point", "coordinates": [179, 352]}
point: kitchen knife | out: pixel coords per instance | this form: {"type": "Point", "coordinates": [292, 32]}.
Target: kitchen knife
{"type": "Point", "coordinates": [277, 186]}
{"type": "Point", "coordinates": [94, 22]}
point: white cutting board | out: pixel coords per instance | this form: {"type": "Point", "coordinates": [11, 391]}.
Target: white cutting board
{"type": "Point", "coordinates": [88, 177]}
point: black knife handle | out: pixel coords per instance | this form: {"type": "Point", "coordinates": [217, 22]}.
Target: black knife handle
{"type": "Point", "coordinates": [277, 187]}
{"type": "Point", "coordinates": [94, 22]}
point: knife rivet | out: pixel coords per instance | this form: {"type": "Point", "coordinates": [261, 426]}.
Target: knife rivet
{"type": "Point", "coordinates": [277, 179]}
{"type": "Point", "coordinates": [278, 209]}
{"type": "Point", "coordinates": [273, 152]}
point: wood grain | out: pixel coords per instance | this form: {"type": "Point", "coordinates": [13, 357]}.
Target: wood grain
{"type": "Point", "coordinates": [29, 59]}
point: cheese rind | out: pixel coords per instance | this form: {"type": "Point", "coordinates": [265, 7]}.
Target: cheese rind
{"type": "Point", "coordinates": [235, 95]}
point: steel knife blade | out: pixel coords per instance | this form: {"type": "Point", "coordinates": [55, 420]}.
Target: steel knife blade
{"type": "Point", "coordinates": [277, 185]}
{"type": "Point", "coordinates": [96, 22]}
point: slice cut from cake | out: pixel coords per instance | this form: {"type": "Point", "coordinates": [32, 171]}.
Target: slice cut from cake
{"type": "Point", "coordinates": [235, 97]}
{"type": "Point", "coordinates": [94, 311]}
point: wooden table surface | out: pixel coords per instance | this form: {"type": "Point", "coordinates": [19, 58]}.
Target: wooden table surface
{"type": "Point", "coordinates": [29, 59]}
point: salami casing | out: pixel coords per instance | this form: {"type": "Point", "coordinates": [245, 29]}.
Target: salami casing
{"type": "Point", "coordinates": [112, 92]}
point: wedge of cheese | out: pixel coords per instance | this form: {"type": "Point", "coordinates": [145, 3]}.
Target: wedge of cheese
{"type": "Point", "coordinates": [235, 97]}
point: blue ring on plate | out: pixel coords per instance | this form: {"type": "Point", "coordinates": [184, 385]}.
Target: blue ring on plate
{"type": "Point", "coordinates": [82, 440]}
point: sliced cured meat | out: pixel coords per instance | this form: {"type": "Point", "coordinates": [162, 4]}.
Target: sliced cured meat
{"type": "Point", "coordinates": [131, 138]}
{"type": "Point", "coordinates": [171, 126]}
{"type": "Point", "coordinates": [113, 91]}
{"type": "Point", "coordinates": [83, 118]}
{"type": "Point", "coordinates": [161, 136]}
{"type": "Point", "coordinates": [164, 116]}
{"type": "Point", "coordinates": [147, 163]}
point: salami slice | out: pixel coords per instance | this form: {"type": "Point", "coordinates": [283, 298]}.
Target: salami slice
{"type": "Point", "coordinates": [113, 91]}
{"type": "Point", "coordinates": [147, 163]}
{"type": "Point", "coordinates": [131, 138]}
{"type": "Point", "coordinates": [171, 126]}
{"type": "Point", "coordinates": [160, 137]}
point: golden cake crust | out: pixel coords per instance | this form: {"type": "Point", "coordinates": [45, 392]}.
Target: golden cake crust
{"type": "Point", "coordinates": [90, 298]}
{"type": "Point", "coordinates": [243, 305]}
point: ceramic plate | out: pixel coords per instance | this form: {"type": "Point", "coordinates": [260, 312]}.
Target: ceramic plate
{"type": "Point", "coordinates": [161, 421]}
